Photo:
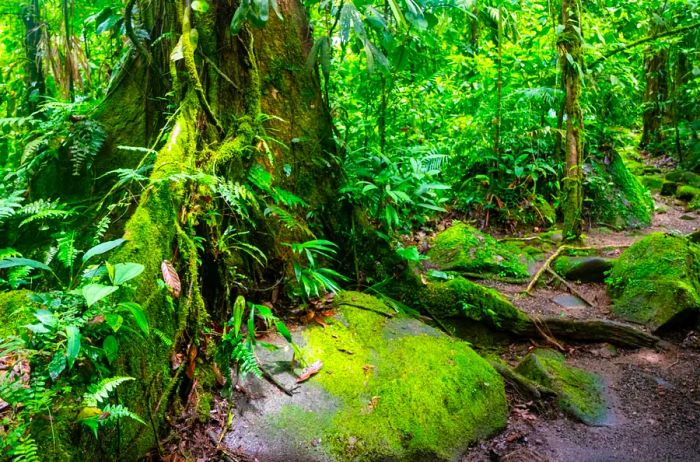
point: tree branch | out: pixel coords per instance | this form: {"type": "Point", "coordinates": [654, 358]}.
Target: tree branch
{"type": "Point", "coordinates": [679, 31]}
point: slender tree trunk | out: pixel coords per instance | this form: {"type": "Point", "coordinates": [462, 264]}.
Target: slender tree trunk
{"type": "Point", "coordinates": [33, 71]}
{"type": "Point", "coordinates": [571, 61]}
{"type": "Point", "coordinates": [499, 87]}
{"type": "Point", "coordinates": [474, 28]}
{"type": "Point", "coordinates": [655, 96]}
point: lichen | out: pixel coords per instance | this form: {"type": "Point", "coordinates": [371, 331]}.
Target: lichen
{"type": "Point", "coordinates": [656, 279]}
{"type": "Point", "coordinates": [387, 389]}
{"type": "Point", "coordinates": [579, 392]}
{"type": "Point", "coordinates": [463, 248]}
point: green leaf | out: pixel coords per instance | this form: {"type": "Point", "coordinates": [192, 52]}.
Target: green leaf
{"type": "Point", "coordinates": [46, 317]}
{"type": "Point", "coordinates": [111, 348]}
{"type": "Point", "coordinates": [138, 314]}
{"type": "Point", "coordinates": [238, 309]}
{"type": "Point", "coordinates": [200, 6]}
{"type": "Point", "coordinates": [72, 344]}
{"type": "Point", "coordinates": [125, 272]}
{"type": "Point", "coordinates": [57, 365]}
{"type": "Point", "coordinates": [283, 331]}
{"type": "Point", "coordinates": [17, 261]}
{"type": "Point", "coordinates": [240, 16]}
{"type": "Point", "coordinates": [114, 321]}
{"type": "Point", "coordinates": [93, 293]}
{"type": "Point", "coordinates": [102, 248]}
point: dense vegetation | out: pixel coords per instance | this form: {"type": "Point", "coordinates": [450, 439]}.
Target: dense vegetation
{"type": "Point", "coordinates": [179, 176]}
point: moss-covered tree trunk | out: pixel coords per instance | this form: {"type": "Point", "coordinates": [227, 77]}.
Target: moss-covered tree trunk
{"type": "Point", "coordinates": [235, 103]}
{"type": "Point", "coordinates": [569, 46]}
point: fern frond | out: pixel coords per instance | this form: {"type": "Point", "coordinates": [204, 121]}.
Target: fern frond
{"type": "Point", "coordinates": [162, 336]}
{"type": "Point", "coordinates": [100, 391]}
{"type": "Point", "coordinates": [101, 229]}
{"type": "Point", "coordinates": [246, 360]}
{"type": "Point", "coordinates": [117, 411]}
{"type": "Point", "coordinates": [10, 204]}
{"type": "Point", "coordinates": [67, 253]}
{"type": "Point", "coordinates": [86, 139]}
{"type": "Point", "coordinates": [32, 148]}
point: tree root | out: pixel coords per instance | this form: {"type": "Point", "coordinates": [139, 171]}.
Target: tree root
{"type": "Point", "coordinates": [521, 383]}
{"type": "Point", "coordinates": [592, 330]}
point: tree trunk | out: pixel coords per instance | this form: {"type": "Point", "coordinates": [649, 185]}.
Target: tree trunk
{"type": "Point", "coordinates": [571, 61]}
{"type": "Point", "coordinates": [33, 72]}
{"type": "Point", "coordinates": [655, 96]}
{"type": "Point", "coordinates": [243, 102]}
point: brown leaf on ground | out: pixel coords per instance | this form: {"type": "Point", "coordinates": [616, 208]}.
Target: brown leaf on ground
{"type": "Point", "coordinates": [171, 278]}
{"type": "Point", "coordinates": [310, 371]}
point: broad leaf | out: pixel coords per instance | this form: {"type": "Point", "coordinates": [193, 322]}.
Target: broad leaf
{"type": "Point", "coordinates": [17, 261]}
{"type": "Point", "coordinates": [200, 6]}
{"type": "Point", "coordinates": [171, 278]}
{"type": "Point", "coordinates": [102, 248]}
{"type": "Point", "coordinates": [111, 348]}
{"type": "Point", "coordinates": [93, 293]}
{"type": "Point", "coordinates": [125, 272]}
{"type": "Point", "coordinates": [72, 344]}
{"type": "Point", "coordinates": [138, 314]}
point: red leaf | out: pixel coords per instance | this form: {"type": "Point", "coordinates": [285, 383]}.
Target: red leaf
{"type": "Point", "coordinates": [171, 278]}
{"type": "Point", "coordinates": [310, 371]}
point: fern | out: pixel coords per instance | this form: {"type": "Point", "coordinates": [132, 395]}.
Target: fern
{"type": "Point", "coordinates": [10, 204]}
{"type": "Point", "coordinates": [67, 253]}
{"type": "Point", "coordinates": [247, 362]}
{"type": "Point", "coordinates": [115, 412]}
{"type": "Point", "coordinates": [43, 210]}
{"type": "Point", "coordinates": [162, 336]}
{"type": "Point", "coordinates": [86, 140]}
{"type": "Point", "coordinates": [100, 391]}
{"type": "Point", "coordinates": [33, 148]}
{"type": "Point", "coordinates": [101, 229]}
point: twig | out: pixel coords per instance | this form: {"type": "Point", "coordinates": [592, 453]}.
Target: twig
{"type": "Point", "coordinates": [542, 270]}
{"type": "Point", "coordinates": [547, 336]}
{"type": "Point", "coordinates": [571, 288]}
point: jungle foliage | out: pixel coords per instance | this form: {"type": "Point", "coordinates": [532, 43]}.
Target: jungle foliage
{"type": "Point", "coordinates": [496, 112]}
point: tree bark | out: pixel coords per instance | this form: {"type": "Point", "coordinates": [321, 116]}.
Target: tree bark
{"type": "Point", "coordinates": [655, 96]}
{"type": "Point", "coordinates": [569, 45]}
{"type": "Point", "coordinates": [243, 102]}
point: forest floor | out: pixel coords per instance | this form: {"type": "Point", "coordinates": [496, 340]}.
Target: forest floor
{"type": "Point", "coordinates": [653, 394]}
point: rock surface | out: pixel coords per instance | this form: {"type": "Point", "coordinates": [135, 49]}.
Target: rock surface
{"type": "Point", "coordinates": [579, 392]}
{"type": "Point", "coordinates": [391, 388]}
{"type": "Point", "coordinates": [656, 281]}
{"type": "Point", "coordinates": [584, 269]}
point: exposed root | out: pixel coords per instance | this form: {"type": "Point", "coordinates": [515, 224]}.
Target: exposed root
{"type": "Point", "coordinates": [521, 383]}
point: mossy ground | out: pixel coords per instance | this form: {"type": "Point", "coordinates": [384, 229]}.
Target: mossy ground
{"type": "Point", "coordinates": [580, 393]}
{"type": "Point", "coordinates": [406, 392]}
{"type": "Point", "coordinates": [463, 248]}
{"type": "Point", "coordinates": [15, 310]}
{"type": "Point", "coordinates": [656, 279]}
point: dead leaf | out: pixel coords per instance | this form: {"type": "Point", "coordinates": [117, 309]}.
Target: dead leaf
{"type": "Point", "coordinates": [372, 404]}
{"type": "Point", "coordinates": [310, 371]}
{"type": "Point", "coordinates": [191, 361]}
{"type": "Point", "coordinates": [171, 278]}
{"type": "Point", "coordinates": [176, 360]}
{"type": "Point", "coordinates": [219, 376]}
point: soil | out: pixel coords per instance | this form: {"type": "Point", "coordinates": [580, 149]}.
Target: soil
{"type": "Point", "coordinates": [653, 395]}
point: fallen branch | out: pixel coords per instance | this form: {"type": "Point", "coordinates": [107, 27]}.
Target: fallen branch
{"type": "Point", "coordinates": [360, 307]}
{"type": "Point", "coordinates": [544, 267]}
{"type": "Point", "coordinates": [593, 330]}
{"type": "Point", "coordinates": [571, 288]}
{"type": "Point", "coordinates": [271, 379]}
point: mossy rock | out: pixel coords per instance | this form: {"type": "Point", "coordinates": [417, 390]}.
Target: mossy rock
{"type": "Point", "coordinates": [460, 297]}
{"type": "Point", "coordinates": [391, 388]}
{"type": "Point", "coordinates": [669, 188]}
{"type": "Point", "coordinates": [653, 182]}
{"type": "Point", "coordinates": [689, 194]}
{"type": "Point", "coordinates": [655, 281]}
{"type": "Point", "coordinates": [618, 199]}
{"type": "Point", "coordinates": [684, 177]}
{"type": "Point", "coordinates": [465, 249]}
{"type": "Point", "coordinates": [584, 269]}
{"type": "Point", "coordinates": [579, 392]}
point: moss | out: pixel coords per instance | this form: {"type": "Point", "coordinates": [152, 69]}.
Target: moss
{"type": "Point", "coordinates": [653, 182]}
{"type": "Point", "coordinates": [685, 177]}
{"type": "Point", "coordinates": [579, 392]}
{"type": "Point", "coordinates": [465, 249]}
{"type": "Point", "coordinates": [656, 279]}
{"type": "Point", "coordinates": [15, 310]}
{"type": "Point", "coordinates": [407, 392]}
{"type": "Point", "coordinates": [618, 199]}
{"type": "Point", "coordinates": [461, 297]}
{"type": "Point", "coordinates": [687, 193]}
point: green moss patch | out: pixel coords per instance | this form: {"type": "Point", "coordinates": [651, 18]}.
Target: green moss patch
{"type": "Point", "coordinates": [579, 392]}
{"type": "Point", "coordinates": [617, 198]}
{"type": "Point", "coordinates": [656, 280]}
{"type": "Point", "coordinates": [465, 249]}
{"type": "Point", "coordinates": [398, 390]}
{"type": "Point", "coordinates": [15, 310]}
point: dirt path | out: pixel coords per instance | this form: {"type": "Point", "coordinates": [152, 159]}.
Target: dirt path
{"type": "Point", "coordinates": [654, 395]}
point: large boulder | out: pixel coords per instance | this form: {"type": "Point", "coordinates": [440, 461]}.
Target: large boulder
{"type": "Point", "coordinates": [583, 268]}
{"type": "Point", "coordinates": [465, 249]}
{"type": "Point", "coordinates": [579, 392]}
{"type": "Point", "coordinates": [391, 388]}
{"type": "Point", "coordinates": [656, 280]}
{"type": "Point", "coordinates": [618, 199]}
